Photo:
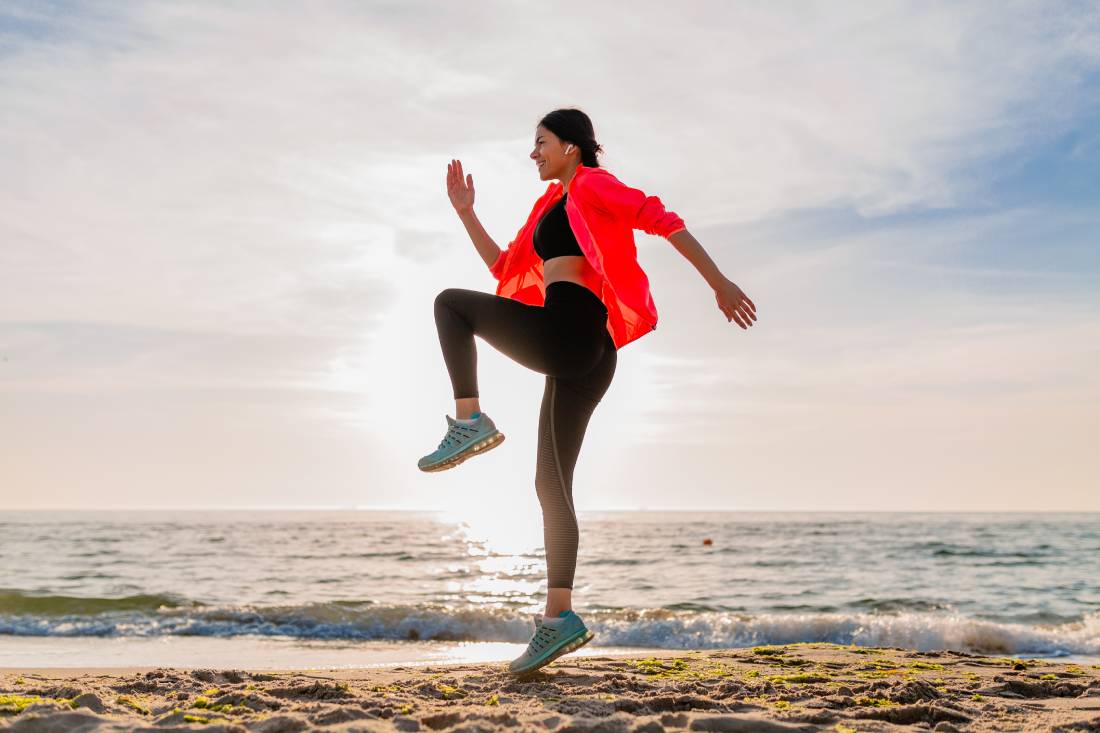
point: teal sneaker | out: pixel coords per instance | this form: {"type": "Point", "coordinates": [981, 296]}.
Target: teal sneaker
{"type": "Point", "coordinates": [552, 639]}
{"type": "Point", "coordinates": [462, 441]}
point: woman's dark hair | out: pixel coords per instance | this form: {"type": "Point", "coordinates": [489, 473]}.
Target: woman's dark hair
{"type": "Point", "coordinates": [572, 125]}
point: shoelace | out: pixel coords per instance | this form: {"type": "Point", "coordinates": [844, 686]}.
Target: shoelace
{"type": "Point", "coordinates": [458, 433]}
{"type": "Point", "coordinates": [542, 638]}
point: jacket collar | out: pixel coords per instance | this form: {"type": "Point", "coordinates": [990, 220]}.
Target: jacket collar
{"type": "Point", "coordinates": [582, 171]}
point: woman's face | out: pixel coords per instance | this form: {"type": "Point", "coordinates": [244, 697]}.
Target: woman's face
{"type": "Point", "coordinates": [549, 154]}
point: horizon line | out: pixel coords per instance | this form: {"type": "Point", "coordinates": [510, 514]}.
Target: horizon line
{"type": "Point", "coordinates": [637, 510]}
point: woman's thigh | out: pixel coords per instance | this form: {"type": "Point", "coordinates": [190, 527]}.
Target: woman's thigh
{"type": "Point", "coordinates": [594, 383]}
{"type": "Point", "coordinates": [544, 340]}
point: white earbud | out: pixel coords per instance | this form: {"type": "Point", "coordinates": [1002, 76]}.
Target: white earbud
{"type": "Point", "coordinates": [568, 148]}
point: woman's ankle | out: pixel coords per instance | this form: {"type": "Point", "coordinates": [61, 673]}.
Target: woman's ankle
{"type": "Point", "coordinates": [558, 600]}
{"type": "Point", "coordinates": [466, 407]}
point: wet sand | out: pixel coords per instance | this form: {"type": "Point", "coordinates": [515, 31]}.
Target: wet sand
{"type": "Point", "coordinates": [793, 687]}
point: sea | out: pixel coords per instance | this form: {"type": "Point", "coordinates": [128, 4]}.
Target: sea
{"type": "Point", "coordinates": [313, 589]}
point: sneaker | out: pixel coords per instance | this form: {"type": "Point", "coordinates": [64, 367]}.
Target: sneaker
{"type": "Point", "coordinates": [462, 441]}
{"type": "Point", "coordinates": [553, 638]}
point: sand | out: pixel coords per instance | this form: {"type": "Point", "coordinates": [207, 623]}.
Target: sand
{"type": "Point", "coordinates": [793, 687]}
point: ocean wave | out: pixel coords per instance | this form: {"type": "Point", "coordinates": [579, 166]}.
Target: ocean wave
{"type": "Point", "coordinates": [18, 602]}
{"type": "Point", "coordinates": [939, 549]}
{"type": "Point", "coordinates": [668, 628]}
{"type": "Point", "coordinates": [900, 605]}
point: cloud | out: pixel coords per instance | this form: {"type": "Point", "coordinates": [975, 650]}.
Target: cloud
{"type": "Point", "coordinates": [72, 357]}
{"type": "Point", "coordinates": [969, 314]}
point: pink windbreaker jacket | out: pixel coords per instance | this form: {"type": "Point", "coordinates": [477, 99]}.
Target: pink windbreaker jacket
{"type": "Point", "coordinates": [603, 213]}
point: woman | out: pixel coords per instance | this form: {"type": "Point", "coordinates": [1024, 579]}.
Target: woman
{"type": "Point", "coordinates": [570, 294]}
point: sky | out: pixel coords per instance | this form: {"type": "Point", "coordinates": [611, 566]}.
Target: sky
{"type": "Point", "coordinates": [223, 226]}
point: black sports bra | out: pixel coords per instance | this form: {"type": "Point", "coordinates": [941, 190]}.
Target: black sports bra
{"type": "Point", "coordinates": [553, 236]}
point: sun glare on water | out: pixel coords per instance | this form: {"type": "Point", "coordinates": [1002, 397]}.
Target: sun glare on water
{"type": "Point", "coordinates": [505, 558]}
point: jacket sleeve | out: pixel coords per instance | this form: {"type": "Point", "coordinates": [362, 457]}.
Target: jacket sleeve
{"type": "Point", "coordinates": [644, 212]}
{"type": "Point", "coordinates": [497, 268]}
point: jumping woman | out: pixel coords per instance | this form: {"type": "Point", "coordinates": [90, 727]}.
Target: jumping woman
{"type": "Point", "coordinates": [570, 293]}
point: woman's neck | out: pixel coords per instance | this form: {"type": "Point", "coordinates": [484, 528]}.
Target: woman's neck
{"type": "Point", "coordinates": [570, 174]}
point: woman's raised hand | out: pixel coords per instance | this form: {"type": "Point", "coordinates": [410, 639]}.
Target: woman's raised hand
{"type": "Point", "coordinates": [461, 192]}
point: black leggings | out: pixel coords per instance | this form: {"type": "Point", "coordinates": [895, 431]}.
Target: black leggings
{"type": "Point", "coordinates": [568, 341]}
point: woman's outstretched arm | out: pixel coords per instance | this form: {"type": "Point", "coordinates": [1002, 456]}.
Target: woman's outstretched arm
{"type": "Point", "coordinates": [648, 213]}
{"type": "Point", "coordinates": [461, 193]}
{"type": "Point", "coordinates": [687, 245]}
{"type": "Point", "coordinates": [731, 299]}
{"type": "Point", "coordinates": [486, 247]}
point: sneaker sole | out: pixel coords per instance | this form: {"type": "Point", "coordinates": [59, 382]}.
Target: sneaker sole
{"type": "Point", "coordinates": [483, 446]}
{"type": "Point", "coordinates": [571, 646]}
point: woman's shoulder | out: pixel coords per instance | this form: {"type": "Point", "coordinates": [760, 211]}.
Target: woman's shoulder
{"type": "Point", "coordinates": [596, 183]}
{"type": "Point", "coordinates": [597, 187]}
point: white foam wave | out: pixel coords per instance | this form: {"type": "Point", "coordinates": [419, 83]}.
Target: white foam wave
{"type": "Point", "coordinates": [659, 628]}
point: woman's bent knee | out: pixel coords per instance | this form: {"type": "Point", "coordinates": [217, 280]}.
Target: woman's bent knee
{"type": "Point", "coordinates": [448, 299]}
{"type": "Point", "coordinates": [455, 298]}
{"type": "Point", "coordinates": [445, 296]}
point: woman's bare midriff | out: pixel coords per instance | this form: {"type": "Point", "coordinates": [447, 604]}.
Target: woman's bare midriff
{"type": "Point", "coordinates": [575, 269]}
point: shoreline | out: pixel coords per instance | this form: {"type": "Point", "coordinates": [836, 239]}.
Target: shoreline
{"type": "Point", "coordinates": [801, 686]}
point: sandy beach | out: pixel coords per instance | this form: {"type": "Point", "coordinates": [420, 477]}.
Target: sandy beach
{"type": "Point", "coordinates": [793, 687]}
